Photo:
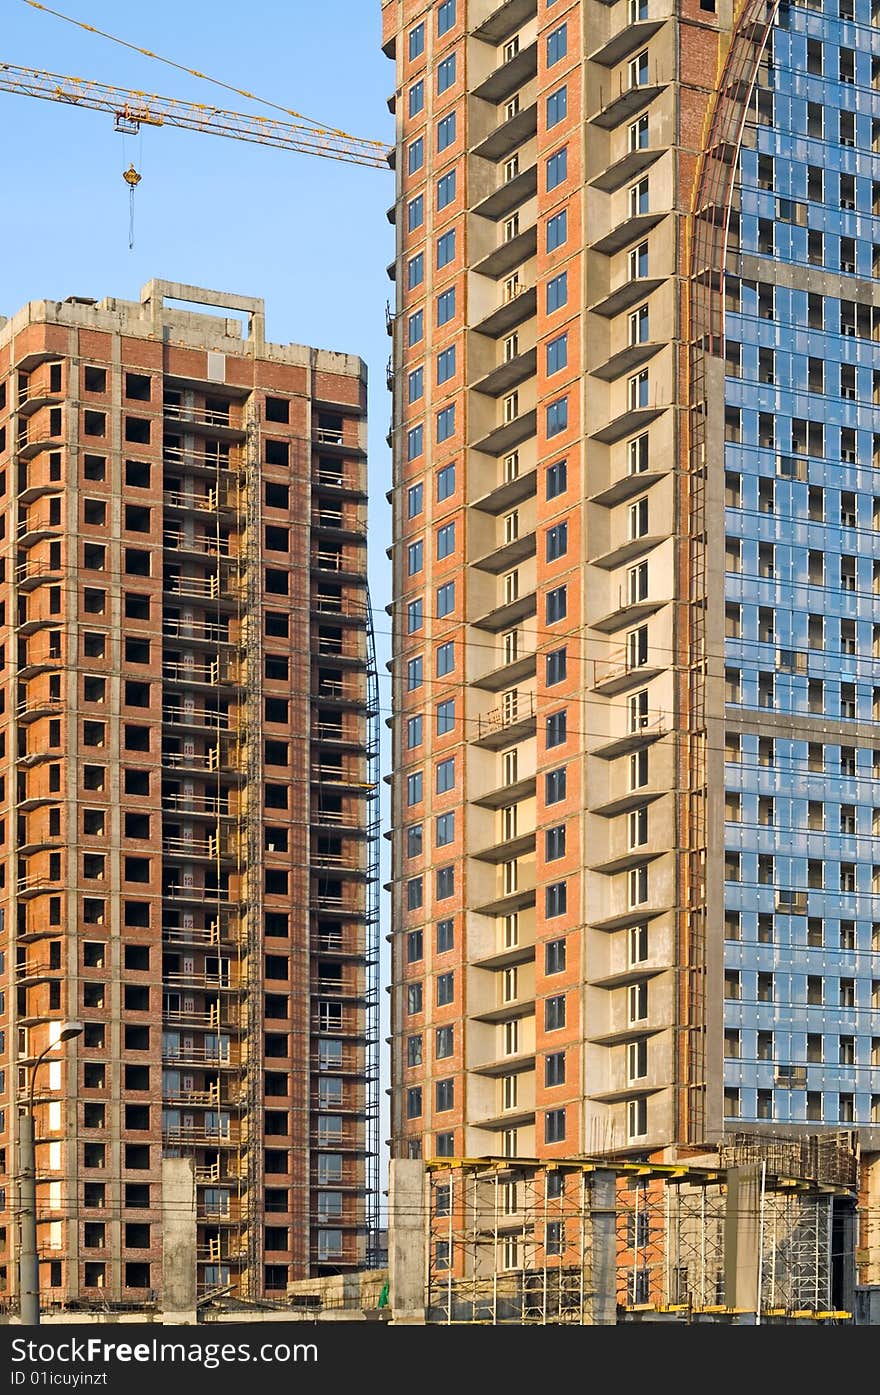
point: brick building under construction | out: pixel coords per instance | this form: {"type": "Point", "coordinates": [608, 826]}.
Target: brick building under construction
{"type": "Point", "coordinates": [187, 795]}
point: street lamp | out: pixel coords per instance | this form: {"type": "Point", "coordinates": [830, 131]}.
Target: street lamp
{"type": "Point", "coordinates": [28, 1262]}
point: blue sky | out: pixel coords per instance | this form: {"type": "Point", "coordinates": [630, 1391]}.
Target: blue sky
{"type": "Point", "coordinates": [307, 234]}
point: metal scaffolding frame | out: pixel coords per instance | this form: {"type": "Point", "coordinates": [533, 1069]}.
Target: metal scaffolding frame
{"type": "Point", "coordinates": [515, 1241]}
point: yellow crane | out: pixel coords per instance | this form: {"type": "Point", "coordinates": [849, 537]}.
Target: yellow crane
{"type": "Point", "coordinates": [131, 110]}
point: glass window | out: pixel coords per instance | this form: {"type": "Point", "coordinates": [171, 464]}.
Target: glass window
{"type": "Point", "coordinates": [416, 97]}
{"type": "Point", "coordinates": [557, 230]}
{"type": "Point", "coordinates": [417, 41]}
{"type": "Point", "coordinates": [415, 327]}
{"type": "Point", "coordinates": [557, 168]}
{"type": "Point", "coordinates": [446, 248]}
{"type": "Point", "coordinates": [446, 422]}
{"type": "Point", "coordinates": [414, 787]}
{"type": "Point", "coordinates": [445, 988]}
{"type": "Point", "coordinates": [446, 364]}
{"type": "Point", "coordinates": [554, 786]}
{"type": "Point", "coordinates": [415, 615]}
{"type": "Point", "coordinates": [446, 539]}
{"type": "Point", "coordinates": [445, 717]}
{"type": "Point", "coordinates": [446, 306]}
{"type": "Point", "coordinates": [556, 663]}
{"type": "Point", "coordinates": [446, 131]}
{"type": "Point", "coordinates": [415, 500]}
{"type": "Point", "coordinates": [415, 155]}
{"type": "Point", "coordinates": [415, 213]}
{"type": "Point", "coordinates": [557, 541]}
{"type": "Point", "coordinates": [445, 16]}
{"type": "Point", "coordinates": [557, 45]}
{"type": "Point", "coordinates": [414, 731]}
{"type": "Point", "coordinates": [415, 271]}
{"type": "Point", "coordinates": [446, 72]}
{"type": "Point", "coordinates": [445, 599]}
{"type": "Point", "coordinates": [446, 189]}
{"type": "Point", "coordinates": [445, 883]}
{"type": "Point", "coordinates": [445, 482]}
{"type": "Point", "coordinates": [556, 479]}
{"type": "Point", "coordinates": [445, 658]}
{"type": "Point", "coordinates": [556, 729]}
{"type": "Point", "coordinates": [415, 557]}
{"type": "Point", "coordinates": [556, 604]}
{"type": "Point", "coordinates": [415, 673]}
{"type": "Point", "coordinates": [415, 385]}
{"type": "Point", "coordinates": [444, 829]}
{"type": "Point", "coordinates": [557, 292]}
{"type": "Point", "coordinates": [445, 775]}
{"type": "Point", "coordinates": [445, 936]}
{"type": "Point", "coordinates": [557, 416]}
{"type": "Point", "coordinates": [557, 354]}
{"type": "Point", "coordinates": [557, 106]}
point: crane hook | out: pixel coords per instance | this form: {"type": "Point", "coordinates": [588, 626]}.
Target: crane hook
{"type": "Point", "coordinates": [132, 179]}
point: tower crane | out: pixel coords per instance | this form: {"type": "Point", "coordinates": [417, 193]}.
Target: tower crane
{"type": "Point", "coordinates": [131, 110]}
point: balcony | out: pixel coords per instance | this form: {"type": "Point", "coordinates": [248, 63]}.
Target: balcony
{"type": "Point", "coordinates": [626, 103]}
{"type": "Point", "coordinates": [515, 308]}
{"type": "Point", "coordinates": [512, 722]}
{"type": "Point", "coordinates": [627, 424]}
{"type": "Point", "coordinates": [505, 616]}
{"type": "Point", "coordinates": [509, 195]}
{"type": "Point", "coordinates": [619, 672]}
{"type": "Point", "coordinates": [628, 231]}
{"type": "Point", "coordinates": [509, 16]}
{"type": "Point", "coordinates": [205, 421]}
{"type": "Point", "coordinates": [507, 554]}
{"type": "Point", "coordinates": [508, 435]}
{"type": "Point", "coordinates": [649, 729]}
{"type": "Point", "coordinates": [626, 295]}
{"type": "Point", "coordinates": [631, 356]}
{"type": "Point", "coordinates": [509, 76]}
{"type": "Point", "coordinates": [507, 492]}
{"type": "Point", "coordinates": [508, 375]}
{"type": "Point", "coordinates": [508, 135]}
{"type": "Point", "coordinates": [508, 674]}
{"type": "Point", "coordinates": [508, 255]}
{"type": "Point", "coordinates": [625, 170]}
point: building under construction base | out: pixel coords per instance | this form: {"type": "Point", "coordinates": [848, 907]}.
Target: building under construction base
{"type": "Point", "coordinates": [755, 1232]}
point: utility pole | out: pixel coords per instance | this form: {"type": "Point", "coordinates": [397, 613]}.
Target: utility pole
{"type": "Point", "coordinates": [28, 1260]}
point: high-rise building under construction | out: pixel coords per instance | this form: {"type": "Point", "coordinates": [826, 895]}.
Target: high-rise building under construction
{"type": "Point", "coordinates": [636, 844]}
{"type": "Point", "coordinates": [187, 799]}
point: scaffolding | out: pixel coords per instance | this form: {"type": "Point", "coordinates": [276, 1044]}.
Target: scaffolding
{"type": "Point", "coordinates": [521, 1241]}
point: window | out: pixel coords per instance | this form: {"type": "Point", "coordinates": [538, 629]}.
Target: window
{"type": "Point", "coordinates": [445, 988]}
{"type": "Point", "coordinates": [444, 883]}
{"type": "Point", "coordinates": [445, 658]}
{"type": "Point", "coordinates": [557, 107]}
{"type": "Point", "coordinates": [445, 482]}
{"type": "Point", "coordinates": [415, 385]}
{"type": "Point", "coordinates": [556, 604]}
{"type": "Point", "coordinates": [557, 168]}
{"type": "Point", "coordinates": [557, 230]}
{"type": "Point", "coordinates": [554, 786]}
{"type": "Point", "coordinates": [554, 1126]}
{"type": "Point", "coordinates": [446, 189]}
{"type": "Point", "coordinates": [637, 134]}
{"type": "Point", "coordinates": [415, 615]}
{"type": "Point", "coordinates": [444, 1042]}
{"type": "Point", "coordinates": [557, 292]}
{"type": "Point", "coordinates": [446, 131]}
{"type": "Point", "coordinates": [445, 540]}
{"type": "Point", "coordinates": [554, 1013]}
{"type": "Point", "coordinates": [415, 271]}
{"type": "Point", "coordinates": [415, 156]}
{"type": "Point", "coordinates": [554, 957]}
{"type": "Point", "coordinates": [415, 499]}
{"type": "Point", "coordinates": [415, 327]}
{"type": "Point", "coordinates": [557, 541]}
{"type": "Point", "coordinates": [446, 248]}
{"type": "Point", "coordinates": [445, 775]}
{"type": "Point", "coordinates": [445, 717]}
{"type": "Point", "coordinates": [415, 442]}
{"type": "Point", "coordinates": [557, 45]}
{"type": "Point", "coordinates": [556, 666]}
{"type": "Point", "coordinates": [444, 831]}
{"type": "Point", "coordinates": [555, 729]}
{"type": "Point", "coordinates": [446, 364]}
{"type": "Point", "coordinates": [416, 97]}
{"type": "Point", "coordinates": [445, 936]}
{"type": "Point", "coordinates": [445, 599]}
{"type": "Point", "coordinates": [557, 416]}
{"type": "Point", "coordinates": [445, 16]}
{"type": "Point", "coordinates": [415, 673]}
{"type": "Point", "coordinates": [417, 41]}
{"type": "Point", "coordinates": [556, 479]}
{"type": "Point", "coordinates": [414, 731]}
{"type": "Point", "coordinates": [414, 840]}
{"type": "Point", "coordinates": [415, 213]}
{"type": "Point", "coordinates": [557, 355]}
{"type": "Point", "coordinates": [446, 73]}
{"type": "Point", "coordinates": [415, 556]}
{"type": "Point", "coordinates": [446, 306]}
{"type": "Point", "coordinates": [554, 1068]}
{"type": "Point", "coordinates": [414, 1102]}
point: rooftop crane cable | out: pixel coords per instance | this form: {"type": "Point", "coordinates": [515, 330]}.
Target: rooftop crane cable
{"type": "Point", "coordinates": [320, 128]}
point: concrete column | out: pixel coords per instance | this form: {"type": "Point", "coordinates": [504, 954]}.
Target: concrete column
{"type": "Point", "coordinates": [178, 1240]}
{"type": "Point", "coordinates": [603, 1218]}
{"type": "Point", "coordinates": [407, 1228]}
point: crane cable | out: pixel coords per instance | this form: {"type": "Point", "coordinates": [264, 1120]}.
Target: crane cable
{"type": "Point", "coordinates": [194, 72]}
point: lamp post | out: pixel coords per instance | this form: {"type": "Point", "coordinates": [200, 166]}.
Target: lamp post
{"type": "Point", "coordinates": [28, 1262]}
